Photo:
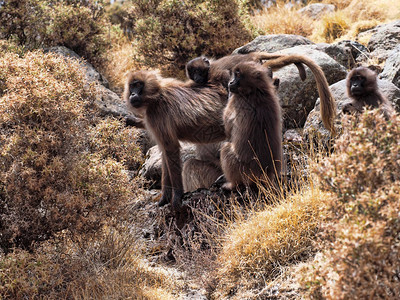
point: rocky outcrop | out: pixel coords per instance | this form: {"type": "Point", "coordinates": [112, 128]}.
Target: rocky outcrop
{"type": "Point", "coordinates": [391, 71]}
{"type": "Point", "coordinates": [273, 43]}
{"type": "Point", "coordinates": [384, 39]}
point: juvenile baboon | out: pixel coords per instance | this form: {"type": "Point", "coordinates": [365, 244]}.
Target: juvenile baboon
{"type": "Point", "coordinates": [362, 88]}
{"type": "Point", "coordinates": [202, 70]}
{"type": "Point", "coordinates": [173, 111]}
{"type": "Point", "coordinates": [252, 120]}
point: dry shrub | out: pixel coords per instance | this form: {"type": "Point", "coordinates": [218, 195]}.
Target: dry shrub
{"type": "Point", "coordinates": [331, 27]}
{"type": "Point", "coordinates": [283, 20]}
{"type": "Point", "coordinates": [361, 253]}
{"type": "Point", "coordinates": [353, 17]}
{"type": "Point", "coordinates": [257, 249]}
{"type": "Point", "coordinates": [49, 179]}
{"type": "Point", "coordinates": [108, 266]}
{"type": "Point", "coordinates": [168, 33]}
{"type": "Point", "coordinates": [35, 23]}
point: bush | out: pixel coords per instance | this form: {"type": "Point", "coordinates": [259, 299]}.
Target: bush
{"type": "Point", "coordinates": [50, 177]}
{"type": "Point", "coordinates": [170, 32]}
{"type": "Point", "coordinates": [42, 23]}
{"type": "Point", "coordinates": [362, 231]}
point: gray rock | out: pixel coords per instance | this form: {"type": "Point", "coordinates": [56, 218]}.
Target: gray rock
{"type": "Point", "coordinates": [298, 97]}
{"type": "Point", "coordinates": [384, 39]}
{"type": "Point", "coordinates": [317, 10]}
{"type": "Point", "coordinates": [107, 101]}
{"type": "Point", "coordinates": [391, 71]}
{"type": "Point", "coordinates": [340, 53]}
{"type": "Point", "coordinates": [151, 168]}
{"type": "Point", "coordinates": [273, 42]}
{"type": "Point", "coordinates": [314, 126]}
{"type": "Point", "coordinates": [356, 51]}
{"type": "Point", "coordinates": [91, 73]}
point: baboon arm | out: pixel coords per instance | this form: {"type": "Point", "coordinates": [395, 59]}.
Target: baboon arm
{"type": "Point", "coordinates": [134, 122]}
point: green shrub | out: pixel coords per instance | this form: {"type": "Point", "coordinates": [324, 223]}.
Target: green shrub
{"type": "Point", "coordinates": [51, 176]}
{"type": "Point", "coordinates": [361, 236]}
{"type": "Point", "coordinates": [45, 23]}
{"type": "Point", "coordinates": [170, 32]}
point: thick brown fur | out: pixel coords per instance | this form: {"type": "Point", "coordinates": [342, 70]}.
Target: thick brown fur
{"type": "Point", "coordinates": [252, 120]}
{"type": "Point", "coordinates": [328, 105]}
{"type": "Point", "coordinates": [362, 88]}
{"type": "Point", "coordinates": [172, 112]}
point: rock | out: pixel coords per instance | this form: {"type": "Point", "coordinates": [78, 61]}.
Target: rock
{"type": "Point", "coordinates": [272, 43]}
{"type": "Point", "coordinates": [391, 71]}
{"type": "Point", "coordinates": [356, 51]}
{"type": "Point", "coordinates": [151, 168]}
{"type": "Point", "coordinates": [314, 126]}
{"type": "Point", "coordinates": [384, 39]}
{"type": "Point", "coordinates": [340, 53]}
{"type": "Point", "coordinates": [91, 73]}
{"type": "Point", "coordinates": [317, 10]}
{"type": "Point", "coordinates": [110, 103]}
{"type": "Point", "coordinates": [298, 97]}
{"type": "Point", "coordinates": [107, 101]}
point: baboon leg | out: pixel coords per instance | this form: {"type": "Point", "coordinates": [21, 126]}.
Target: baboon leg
{"type": "Point", "coordinates": [231, 167]}
{"type": "Point", "coordinates": [166, 187]}
{"type": "Point", "coordinates": [199, 174]}
{"type": "Point", "coordinates": [172, 158]}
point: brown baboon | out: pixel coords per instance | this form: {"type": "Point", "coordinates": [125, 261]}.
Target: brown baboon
{"type": "Point", "coordinates": [174, 111]}
{"type": "Point", "coordinates": [328, 106]}
{"type": "Point", "coordinates": [252, 120]}
{"type": "Point", "coordinates": [362, 88]}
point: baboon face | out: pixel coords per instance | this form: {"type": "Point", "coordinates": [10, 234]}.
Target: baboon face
{"type": "Point", "coordinates": [197, 70]}
{"type": "Point", "coordinates": [135, 93]}
{"type": "Point", "coordinates": [361, 81]}
{"type": "Point", "coordinates": [248, 76]}
{"type": "Point", "coordinates": [141, 89]}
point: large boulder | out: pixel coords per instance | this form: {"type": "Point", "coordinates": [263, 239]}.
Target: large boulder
{"type": "Point", "coordinates": [298, 97]}
{"type": "Point", "coordinates": [391, 71]}
{"type": "Point", "coordinates": [314, 126]}
{"type": "Point", "coordinates": [273, 43]}
{"type": "Point", "coordinates": [384, 38]}
{"type": "Point", "coordinates": [108, 101]}
{"type": "Point", "coordinates": [316, 10]}
{"type": "Point", "coordinates": [90, 71]}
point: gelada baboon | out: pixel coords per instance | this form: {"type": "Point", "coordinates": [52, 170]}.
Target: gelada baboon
{"type": "Point", "coordinates": [362, 88]}
{"type": "Point", "coordinates": [252, 120]}
{"type": "Point", "coordinates": [173, 111]}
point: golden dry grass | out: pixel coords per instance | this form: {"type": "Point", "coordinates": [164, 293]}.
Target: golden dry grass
{"type": "Point", "coordinates": [256, 250]}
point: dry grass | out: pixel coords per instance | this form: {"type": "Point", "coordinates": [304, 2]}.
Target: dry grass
{"type": "Point", "coordinates": [283, 20]}
{"type": "Point", "coordinates": [349, 19]}
{"type": "Point", "coordinates": [258, 248]}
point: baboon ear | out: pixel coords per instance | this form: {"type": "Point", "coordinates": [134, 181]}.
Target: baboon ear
{"type": "Point", "coordinates": [258, 74]}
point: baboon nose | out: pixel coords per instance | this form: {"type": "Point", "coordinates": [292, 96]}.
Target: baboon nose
{"type": "Point", "coordinates": [135, 100]}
